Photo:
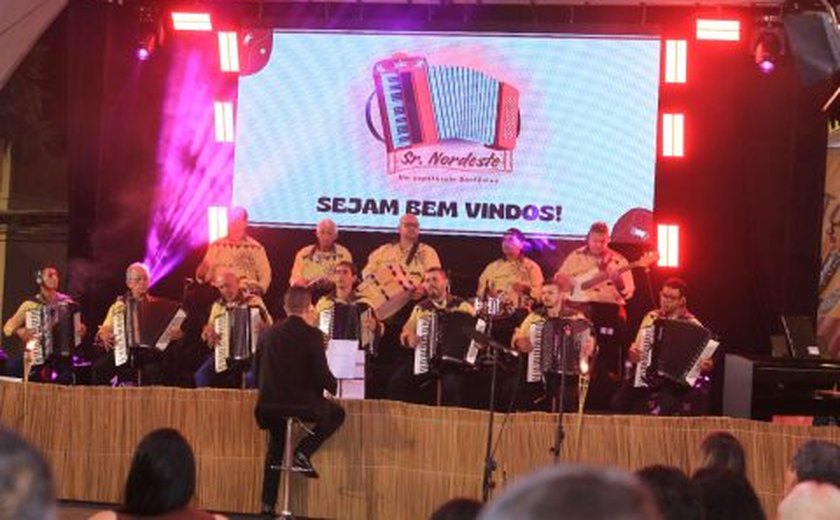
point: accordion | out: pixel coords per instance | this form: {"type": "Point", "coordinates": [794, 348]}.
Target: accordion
{"type": "Point", "coordinates": [144, 324]}
{"type": "Point", "coordinates": [344, 321]}
{"type": "Point", "coordinates": [557, 347]}
{"type": "Point", "coordinates": [672, 349]}
{"type": "Point", "coordinates": [55, 327]}
{"type": "Point", "coordinates": [422, 105]}
{"type": "Point", "coordinates": [444, 339]}
{"type": "Point", "coordinates": [238, 329]}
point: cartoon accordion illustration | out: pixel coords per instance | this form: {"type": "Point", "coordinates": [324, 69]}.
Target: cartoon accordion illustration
{"type": "Point", "coordinates": [422, 105]}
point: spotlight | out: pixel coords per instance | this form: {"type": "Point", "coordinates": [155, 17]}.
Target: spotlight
{"type": "Point", "coordinates": [145, 48]}
{"type": "Point", "coordinates": [768, 44]}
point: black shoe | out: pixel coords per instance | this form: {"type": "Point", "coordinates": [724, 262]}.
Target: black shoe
{"type": "Point", "coordinates": [303, 465]}
{"type": "Point", "coordinates": [268, 511]}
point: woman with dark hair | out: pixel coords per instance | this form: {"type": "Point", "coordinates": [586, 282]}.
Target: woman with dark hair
{"type": "Point", "coordinates": [161, 481]}
{"type": "Point", "coordinates": [722, 451]}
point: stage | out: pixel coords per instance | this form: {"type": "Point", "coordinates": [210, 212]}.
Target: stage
{"type": "Point", "coordinates": [390, 460]}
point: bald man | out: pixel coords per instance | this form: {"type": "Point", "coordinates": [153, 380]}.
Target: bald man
{"type": "Point", "coordinates": [416, 258]}
{"type": "Point", "coordinates": [315, 264]}
{"type": "Point", "coordinates": [232, 294]}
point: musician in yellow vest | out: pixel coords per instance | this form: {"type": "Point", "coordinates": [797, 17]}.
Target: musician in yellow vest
{"type": "Point", "coordinates": [666, 398]}
{"type": "Point", "coordinates": [232, 293]}
{"type": "Point", "coordinates": [514, 277]}
{"type": "Point", "coordinates": [537, 396]}
{"type": "Point", "coordinates": [415, 258]}
{"type": "Point", "coordinates": [315, 264]}
{"type": "Point", "coordinates": [241, 254]}
{"type": "Point", "coordinates": [105, 368]}
{"type": "Point", "coordinates": [48, 295]}
{"type": "Point", "coordinates": [603, 284]}
{"type": "Point", "coordinates": [404, 384]}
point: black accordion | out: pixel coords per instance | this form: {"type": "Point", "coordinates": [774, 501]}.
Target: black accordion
{"type": "Point", "coordinates": [672, 350]}
{"type": "Point", "coordinates": [55, 327]}
{"type": "Point", "coordinates": [444, 339]}
{"type": "Point", "coordinates": [238, 329]}
{"type": "Point", "coordinates": [557, 347]}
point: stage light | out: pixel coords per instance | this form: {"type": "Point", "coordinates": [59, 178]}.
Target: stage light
{"type": "Point", "coordinates": [673, 135]}
{"type": "Point", "coordinates": [217, 223]}
{"type": "Point", "coordinates": [191, 21]}
{"type": "Point", "coordinates": [768, 44]}
{"type": "Point", "coordinates": [668, 245]}
{"type": "Point", "coordinates": [718, 30]}
{"type": "Point", "coordinates": [228, 51]}
{"type": "Point", "coordinates": [145, 48]}
{"type": "Point", "coordinates": [224, 121]}
{"type": "Point", "coordinates": [675, 61]}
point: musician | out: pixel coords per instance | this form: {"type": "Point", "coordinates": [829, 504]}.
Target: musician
{"type": "Point", "coordinates": [47, 279]}
{"type": "Point", "coordinates": [292, 371]}
{"type": "Point", "coordinates": [232, 294]}
{"type": "Point", "coordinates": [513, 277]}
{"type": "Point", "coordinates": [240, 253]}
{"type": "Point", "coordinates": [105, 368]}
{"type": "Point", "coordinates": [667, 396]}
{"type": "Point", "coordinates": [603, 303]}
{"type": "Point", "coordinates": [415, 258]}
{"type": "Point", "coordinates": [404, 385]}
{"type": "Point", "coordinates": [315, 264]}
{"type": "Point", "coordinates": [343, 300]}
{"type": "Point", "coordinates": [538, 396]}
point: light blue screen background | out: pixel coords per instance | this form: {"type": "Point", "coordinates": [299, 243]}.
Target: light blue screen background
{"type": "Point", "coordinates": [588, 137]}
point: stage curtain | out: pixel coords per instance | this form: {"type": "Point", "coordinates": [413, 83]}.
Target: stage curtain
{"type": "Point", "coordinates": [390, 460]}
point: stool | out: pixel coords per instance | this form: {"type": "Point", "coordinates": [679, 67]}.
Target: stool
{"type": "Point", "coordinates": [290, 415]}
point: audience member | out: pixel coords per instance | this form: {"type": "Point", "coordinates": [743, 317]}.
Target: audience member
{"type": "Point", "coordinates": [723, 451]}
{"type": "Point", "coordinates": [726, 496]}
{"type": "Point", "coordinates": [26, 487]}
{"type": "Point", "coordinates": [161, 481]}
{"type": "Point", "coordinates": [458, 509]}
{"type": "Point", "coordinates": [812, 501]}
{"type": "Point", "coordinates": [572, 493]}
{"type": "Point", "coordinates": [675, 494]}
{"type": "Point", "coordinates": [815, 460]}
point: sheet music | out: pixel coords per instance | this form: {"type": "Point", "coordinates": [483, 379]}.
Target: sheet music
{"type": "Point", "coordinates": [708, 351]}
{"type": "Point", "coordinates": [345, 359]}
{"type": "Point", "coordinates": [174, 323]}
{"type": "Point", "coordinates": [472, 351]}
{"type": "Point", "coordinates": [325, 319]}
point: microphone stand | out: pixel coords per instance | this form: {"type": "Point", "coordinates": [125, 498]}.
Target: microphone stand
{"type": "Point", "coordinates": [560, 432]}
{"type": "Point", "coordinates": [487, 483]}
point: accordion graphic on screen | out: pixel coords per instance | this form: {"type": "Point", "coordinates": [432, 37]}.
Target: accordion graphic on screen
{"type": "Point", "coordinates": [422, 105]}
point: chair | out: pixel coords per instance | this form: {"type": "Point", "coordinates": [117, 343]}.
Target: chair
{"type": "Point", "coordinates": [289, 415]}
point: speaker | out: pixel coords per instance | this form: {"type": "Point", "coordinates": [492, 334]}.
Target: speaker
{"type": "Point", "coordinates": [814, 41]}
{"type": "Point", "coordinates": [801, 336]}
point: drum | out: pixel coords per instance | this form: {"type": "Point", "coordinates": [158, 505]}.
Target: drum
{"type": "Point", "coordinates": [386, 290]}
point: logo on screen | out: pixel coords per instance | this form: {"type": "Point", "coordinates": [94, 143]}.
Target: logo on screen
{"type": "Point", "coordinates": [443, 117]}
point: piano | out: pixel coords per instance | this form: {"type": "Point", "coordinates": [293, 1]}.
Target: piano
{"type": "Point", "coordinates": [759, 387]}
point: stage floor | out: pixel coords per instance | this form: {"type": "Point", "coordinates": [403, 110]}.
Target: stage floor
{"type": "Point", "coordinates": [390, 460]}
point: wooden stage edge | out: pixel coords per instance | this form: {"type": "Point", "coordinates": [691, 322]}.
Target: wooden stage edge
{"type": "Point", "coordinates": [389, 460]}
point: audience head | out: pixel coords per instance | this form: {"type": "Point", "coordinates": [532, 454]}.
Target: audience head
{"type": "Point", "coordinates": [26, 488]}
{"type": "Point", "coordinates": [675, 494]}
{"type": "Point", "coordinates": [726, 495]}
{"type": "Point", "coordinates": [572, 493]}
{"type": "Point", "coordinates": [815, 460]}
{"type": "Point", "coordinates": [723, 451]}
{"type": "Point", "coordinates": [811, 500]}
{"type": "Point", "coordinates": [162, 474]}
{"type": "Point", "coordinates": [458, 509]}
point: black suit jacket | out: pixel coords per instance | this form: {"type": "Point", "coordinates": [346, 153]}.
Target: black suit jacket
{"type": "Point", "coordinates": [291, 370]}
